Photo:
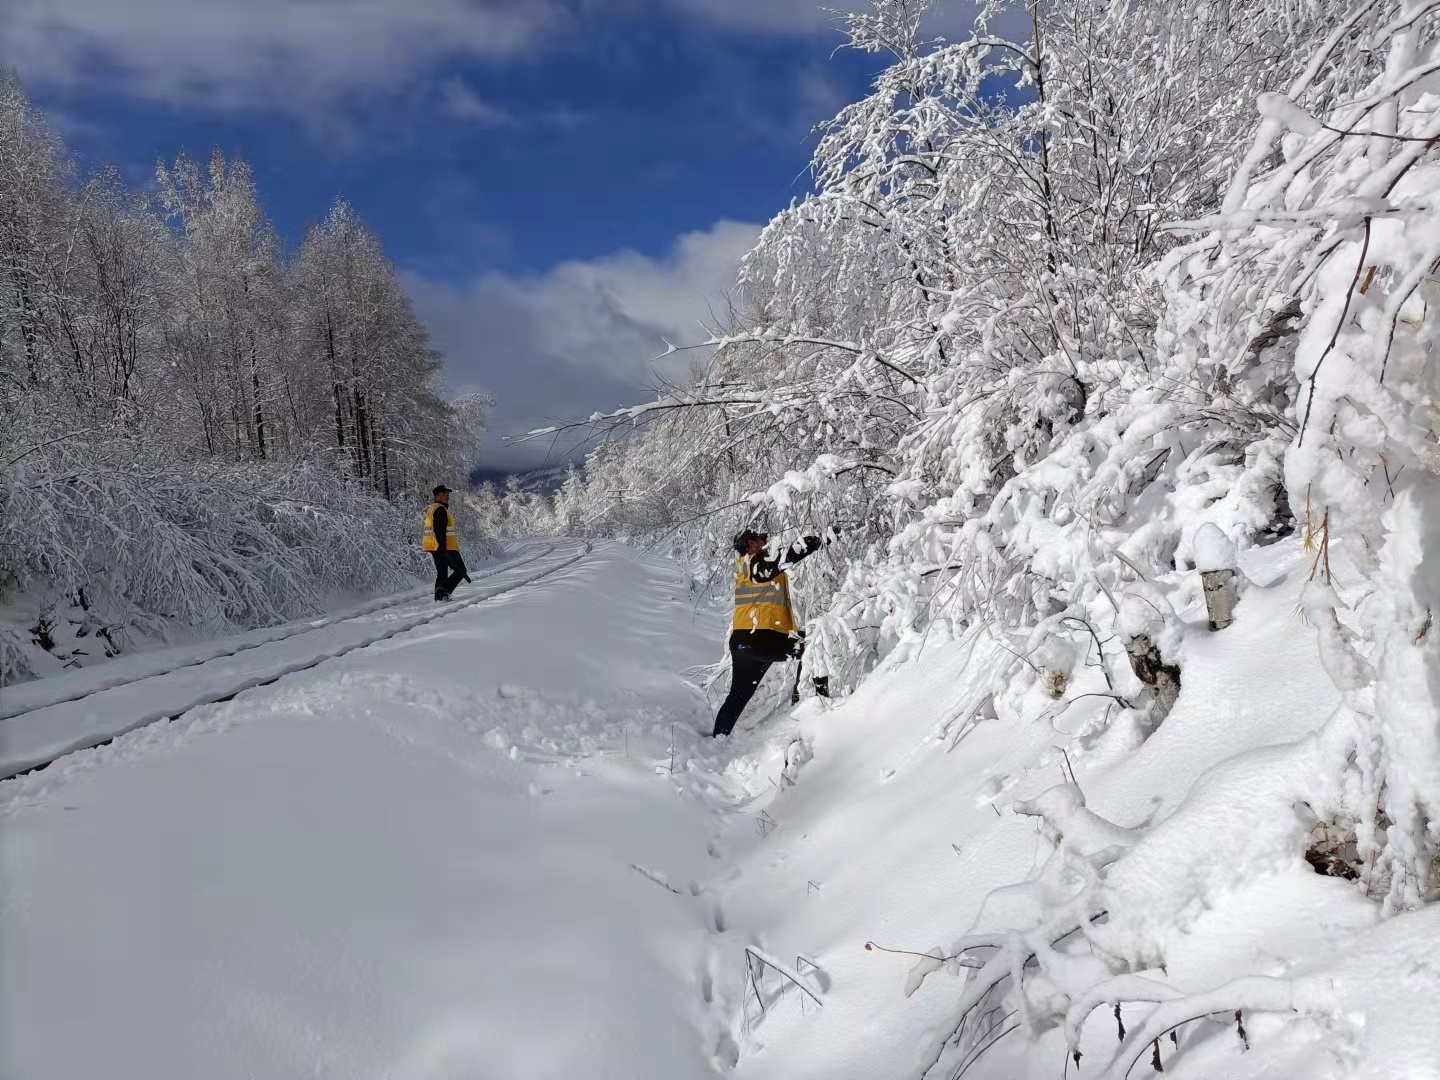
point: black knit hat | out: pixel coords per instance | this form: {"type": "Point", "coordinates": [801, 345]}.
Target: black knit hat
{"type": "Point", "coordinates": [438, 488]}
{"type": "Point", "coordinates": [743, 538]}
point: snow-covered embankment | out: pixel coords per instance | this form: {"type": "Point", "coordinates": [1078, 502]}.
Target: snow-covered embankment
{"type": "Point", "coordinates": [922, 822]}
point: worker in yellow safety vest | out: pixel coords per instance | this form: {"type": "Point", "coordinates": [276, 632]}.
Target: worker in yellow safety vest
{"type": "Point", "coordinates": [442, 540]}
{"type": "Point", "coordinates": [763, 630]}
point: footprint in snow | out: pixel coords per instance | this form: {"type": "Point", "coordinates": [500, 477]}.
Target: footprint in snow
{"type": "Point", "coordinates": [727, 1052]}
{"type": "Point", "coordinates": [717, 919]}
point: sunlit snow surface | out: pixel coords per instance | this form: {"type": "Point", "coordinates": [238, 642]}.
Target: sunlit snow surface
{"type": "Point", "coordinates": [498, 846]}
{"type": "Point", "coordinates": [892, 835]}
{"type": "Point", "coordinates": [412, 861]}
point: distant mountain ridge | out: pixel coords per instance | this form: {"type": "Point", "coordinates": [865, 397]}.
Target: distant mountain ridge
{"type": "Point", "coordinates": [545, 480]}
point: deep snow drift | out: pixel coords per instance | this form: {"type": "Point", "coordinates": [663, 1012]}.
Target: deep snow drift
{"type": "Point", "coordinates": [497, 845]}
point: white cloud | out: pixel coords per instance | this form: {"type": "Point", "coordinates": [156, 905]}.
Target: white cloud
{"type": "Point", "coordinates": [297, 54]}
{"type": "Point", "coordinates": [271, 52]}
{"type": "Point", "coordinates": [812, 16]}
{"type": "Point", "coordinates": [775, 16]}
{"type": "Point", "coordinates": [462, 103]}
{"type": "Point", "coordinates": [581, 336]}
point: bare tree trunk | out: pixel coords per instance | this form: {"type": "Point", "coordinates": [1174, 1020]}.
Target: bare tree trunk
{"type": "Point", "coordinates": [384, 465]}
{"type": "Point", "coordinates": [362, 439]}
{"type": "Point", "coordinates": [259, 409]}
{"type": "Point", "coordinates": [26, 325]}
{"type": "Point", "coordinates": [1162, 678]}
{"type": "Point", "coordinates": [335, 387]}
{"type": "Point", "coordinates": [339, 417]}
{"type": "Point", "coordinates": [292, 432]}
{"type": "Point", "coordinates": [1047, 200]}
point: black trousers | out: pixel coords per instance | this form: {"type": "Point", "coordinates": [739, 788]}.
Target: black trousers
{"type": "Point", "coordinates": [449, 569]}
{"type": "Point", "coordinates": [751, 654]}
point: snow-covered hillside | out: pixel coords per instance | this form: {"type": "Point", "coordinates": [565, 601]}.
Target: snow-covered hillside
{"type": "Point", "coordinates": [992, 881]}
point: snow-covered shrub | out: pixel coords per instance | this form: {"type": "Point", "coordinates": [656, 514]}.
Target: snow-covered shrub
{"type": "Point", "coordinates": [192, 425]}
{"type": "Point", "coordinates": [1331, 221]}
{"type": "Point", "coordinates": [145, 540]}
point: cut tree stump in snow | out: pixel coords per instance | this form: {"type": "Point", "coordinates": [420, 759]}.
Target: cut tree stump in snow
{"type": "Point", "coordinates": [1215, 559]}
{"type": "Point", "coordinates": [1151, 669]}
{"type": "Point", "coordinates": [1220, 596]}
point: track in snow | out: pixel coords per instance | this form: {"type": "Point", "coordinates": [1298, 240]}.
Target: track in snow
{"type": "Point", "coordinates": [36, 737]}
{"type": "Point", "coordinates": [413, 862]}
{"type": "Point", "coordinates": [28, 697]}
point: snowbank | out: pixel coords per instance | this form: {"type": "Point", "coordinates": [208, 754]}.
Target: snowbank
{"type": "Point", "coordinates": [125, 548]}
{"type": "Point", "coordinates": [1027, 838]}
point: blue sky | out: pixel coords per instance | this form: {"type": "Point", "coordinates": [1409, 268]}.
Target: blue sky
{"type": "Point", "coordinates": [560, 181]}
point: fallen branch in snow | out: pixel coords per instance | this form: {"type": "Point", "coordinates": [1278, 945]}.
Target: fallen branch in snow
{"type": "Point", "coordinates": [980, 1047]}
{"type": "Point", "coordinates": [1253, 992]}
{"type": "Point", "coordinates": [658, 879]}
{"type": "Point", "coordinates": [963, 961]}
{"type": "Point", "coordinates": [1013, 954]}
{"type": "Point", "coordinates": [767, 961]}
{"type": "Point", "coordinates": [1085, 624]}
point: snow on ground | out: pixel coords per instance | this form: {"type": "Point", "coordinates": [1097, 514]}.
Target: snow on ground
{"type": "Point", "coordinates": [412, 861]}
{"type": "Point", "coordinates": [497, 845]}
{"type": "Point", "coordinates": [901, 831]}
{"type": "Point", "coordinates": [43, 719]}
{"type": "Point", "coordinates": [67, 686]}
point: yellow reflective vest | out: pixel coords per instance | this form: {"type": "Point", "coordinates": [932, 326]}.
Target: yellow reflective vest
{"type": "Point", "coordinates": [761, 605]}
{"type": "Point", "coordinates": [452, 536]}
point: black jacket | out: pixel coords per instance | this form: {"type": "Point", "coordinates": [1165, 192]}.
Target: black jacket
{"type": "Point", "coordinates": [763, 569]}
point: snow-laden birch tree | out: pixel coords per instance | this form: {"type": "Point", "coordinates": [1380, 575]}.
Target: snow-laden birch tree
{"type": "Point", "coordinates": [197, 426]}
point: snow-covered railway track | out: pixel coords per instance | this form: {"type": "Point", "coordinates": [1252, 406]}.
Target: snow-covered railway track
{"type": "Point", "coordinates": [35, 737]}
{"type": "Point", "coordinates": [27, 697]}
